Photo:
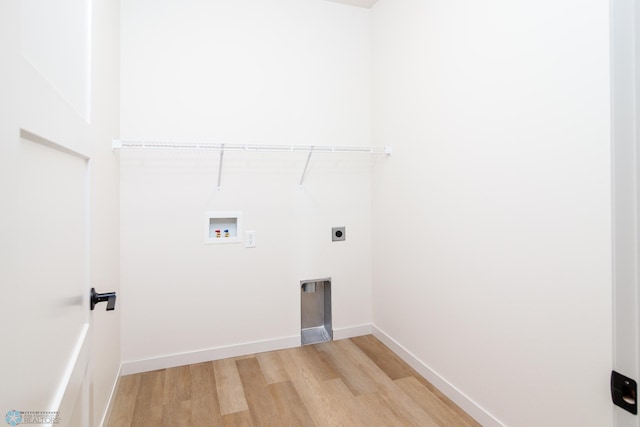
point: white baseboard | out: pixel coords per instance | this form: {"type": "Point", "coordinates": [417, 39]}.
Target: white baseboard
{"type": "Point", "coordinates": [353, 331]}
{"type": "Point", "coordinates": [188, 358]}
{"type": "Point", "coordinates": [173, 360]}
{"type": "Point", "coordinates": [460, 399]}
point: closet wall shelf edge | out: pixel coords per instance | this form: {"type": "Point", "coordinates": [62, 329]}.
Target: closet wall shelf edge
{"type": "Point", "coordinates": [130, 144]}
{"type": "Point", "coordinates": [122, 144]}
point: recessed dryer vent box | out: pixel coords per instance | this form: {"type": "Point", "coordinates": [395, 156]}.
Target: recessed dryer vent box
{"type": "Point", "coordinates": [315, 310]}
{"type": "Point", "coordinates": [223, 227]}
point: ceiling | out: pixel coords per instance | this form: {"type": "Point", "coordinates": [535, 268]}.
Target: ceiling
{"type": "Point", "coordinates": [360, 3]}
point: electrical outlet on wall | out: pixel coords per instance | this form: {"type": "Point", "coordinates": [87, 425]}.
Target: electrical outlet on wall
{"type": "Point", "coordinates": [250, 239]}
{"type": "Point", "coordinates": [338, 234]}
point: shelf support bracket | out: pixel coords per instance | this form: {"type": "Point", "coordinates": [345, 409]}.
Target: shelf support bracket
{"type": "Point", "coordinates": [220, 166]}
{"type": "Point", "coordinates": [306, 166]}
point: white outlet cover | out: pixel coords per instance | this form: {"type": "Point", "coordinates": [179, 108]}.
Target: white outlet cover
{"type": "Point", "coordinates": [250, 239]}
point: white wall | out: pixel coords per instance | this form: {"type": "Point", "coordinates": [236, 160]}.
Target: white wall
{"type": "Point", "coordinates": [499, 279]}
{"type": "Point", "coordinates": [283, 71]}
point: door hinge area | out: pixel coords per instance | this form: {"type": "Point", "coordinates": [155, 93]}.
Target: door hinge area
{"type": "Point", "coordinates": [624, 392]}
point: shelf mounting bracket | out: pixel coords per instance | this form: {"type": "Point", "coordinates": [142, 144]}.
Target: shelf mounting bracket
{"type": "Point", "coordinates": [220, 166]}
{"type": "Point", "coordinates": [306, 166]}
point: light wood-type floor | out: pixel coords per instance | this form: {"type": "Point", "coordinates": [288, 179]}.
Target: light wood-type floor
{"type": "Point", "coordinates": [352, 382]}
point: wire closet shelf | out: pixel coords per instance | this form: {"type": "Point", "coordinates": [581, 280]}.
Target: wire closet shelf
{"type": "Point", "coordinates": [121, 144]}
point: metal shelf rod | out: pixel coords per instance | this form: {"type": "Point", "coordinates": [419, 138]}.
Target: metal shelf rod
{"type": "Point", "coordinates": [118, 144]}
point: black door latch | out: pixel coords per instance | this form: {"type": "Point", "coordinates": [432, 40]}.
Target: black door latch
{"type": "Point", "coordinates": [624, 392]}
{"type": "Point", "coordinates": [109, 297]}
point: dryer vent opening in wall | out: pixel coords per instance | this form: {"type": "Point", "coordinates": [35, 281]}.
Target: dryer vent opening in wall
{"type": "Point", "coordinates": [315, 307]}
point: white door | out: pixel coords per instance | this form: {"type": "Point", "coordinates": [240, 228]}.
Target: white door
{"type": "Point", "coordinates": [625, 43]}
{"type": "Point", "coordinates": [44, 211]}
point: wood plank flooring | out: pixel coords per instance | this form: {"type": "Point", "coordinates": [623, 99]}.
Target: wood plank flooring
{"type": "Point", "coordinates": [352, 382]}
